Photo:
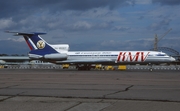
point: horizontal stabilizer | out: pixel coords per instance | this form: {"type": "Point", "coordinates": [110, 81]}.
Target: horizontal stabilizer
{"type": "Point", "coordinates": [23, 33]}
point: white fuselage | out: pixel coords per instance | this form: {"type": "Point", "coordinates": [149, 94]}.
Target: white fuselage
{"type": "Point", "coordinates": [120, 56]}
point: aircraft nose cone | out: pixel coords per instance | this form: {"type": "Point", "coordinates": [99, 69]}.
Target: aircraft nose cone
{"type": "Point", "coordinates": [173, 59]}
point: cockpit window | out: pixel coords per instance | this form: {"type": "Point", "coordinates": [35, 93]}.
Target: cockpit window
{"type": "Point", "coordinates": [161, 55]}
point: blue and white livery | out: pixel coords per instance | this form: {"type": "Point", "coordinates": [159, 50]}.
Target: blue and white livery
{"type": "Point", "coordinates": [60, 54]}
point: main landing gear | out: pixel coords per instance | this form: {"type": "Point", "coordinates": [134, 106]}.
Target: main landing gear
{"type": "Point", "coordinates": [83, 67]}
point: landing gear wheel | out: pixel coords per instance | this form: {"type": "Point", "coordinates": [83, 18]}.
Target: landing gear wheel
{"type": "Point", "coordinates": [151, 69]}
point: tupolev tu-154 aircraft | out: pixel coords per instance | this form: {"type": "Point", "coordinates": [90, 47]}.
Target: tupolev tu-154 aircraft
{"type": "Point", "coordinates": [60, 54]}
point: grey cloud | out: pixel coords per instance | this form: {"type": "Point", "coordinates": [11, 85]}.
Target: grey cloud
{"type": "Point", "coordinates": [25, 7]}
{"type": "Point", "coordinates": [6, 23]}
{"type": "Point", "coordinates": [163, 24]}
{"type": "Point", "coordinates": [89, 4]}
{"type": "Point", "coordinates": [48, 15]}
{"type": "Point", "coordinates": [128, 45]}
{"type": "Point", "coordinates": [167, 2]}
{"type": "Point", "coordinates": [119, 28]}
{"type": "Point", "coordinates": [141, 44]}
{"type": "Point", "coordinates": [141, 17]}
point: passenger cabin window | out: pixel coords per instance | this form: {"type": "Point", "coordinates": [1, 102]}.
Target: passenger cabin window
{"type": "Point", "coordinates": [161, 55]}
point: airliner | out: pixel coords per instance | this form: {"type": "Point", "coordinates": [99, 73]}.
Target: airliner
{"type": "Point", "coordinates": [60, 54]}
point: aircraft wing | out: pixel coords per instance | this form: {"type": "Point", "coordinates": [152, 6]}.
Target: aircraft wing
{"type": "Point", "coordinates": [14, 58]}
{"type": "Point", "coordinates": [83, 61]}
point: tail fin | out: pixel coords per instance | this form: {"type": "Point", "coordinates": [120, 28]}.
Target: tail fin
{"type": "Point", "coordinates": [30, 38]}
{"type": "Point", "coordinates": [40, 49]}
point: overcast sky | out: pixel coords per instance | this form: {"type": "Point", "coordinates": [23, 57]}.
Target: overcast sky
{"type": "Point", "coordinates": [91, 24]}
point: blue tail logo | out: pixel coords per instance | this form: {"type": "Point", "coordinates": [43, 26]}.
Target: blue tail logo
{"type": "Point", "coordinates": [40, 44]}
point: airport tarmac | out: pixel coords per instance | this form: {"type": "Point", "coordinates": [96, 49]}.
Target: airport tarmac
{"type": "Point", "coordinates": [71, 90]}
